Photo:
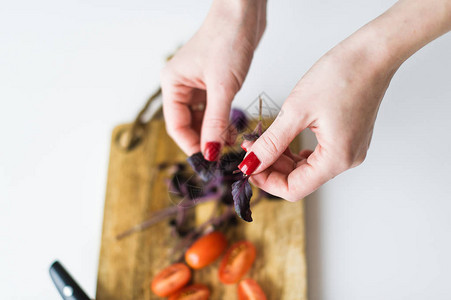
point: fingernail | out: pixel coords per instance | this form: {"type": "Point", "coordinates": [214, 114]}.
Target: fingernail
{"type": "Point", "coordinates": [212, 150]}
{"type": "Point", "coordinates": [249, 164]}
{"type": "Point", "coordinates": [244, 148]}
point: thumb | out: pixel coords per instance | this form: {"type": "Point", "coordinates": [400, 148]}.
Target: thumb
{"type": "Point", "coordinates": [215, 125]}
{"type": "Point", "coordinates": [274, 141]}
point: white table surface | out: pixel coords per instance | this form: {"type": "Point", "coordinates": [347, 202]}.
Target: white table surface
{"type": "Point", "coordinates": [71, 70]}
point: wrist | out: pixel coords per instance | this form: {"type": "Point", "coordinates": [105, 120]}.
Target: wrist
{"type": "Point", "coordinates": [366, 55]}
{"type": "Point", "coordinates": [247, 17]}
{"type": "Point", "coordinates": [240, 9]}
{"type": "Point", "coordinates": [404, 29]}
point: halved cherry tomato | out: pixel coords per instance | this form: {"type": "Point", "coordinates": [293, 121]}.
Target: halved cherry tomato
{"type": "Point", "coordinates": [192, 292]}
{"type": "Point", "coordinates": [206, 250]}
{"type": "Point", "coordinates": [236, 262]}
{"type": "Point", "coordinates": [171, 279]}
{"type": "Point", "coordinates": [248, 289]}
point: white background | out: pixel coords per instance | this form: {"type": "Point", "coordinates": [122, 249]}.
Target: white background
{"type": "Point", "coordinates": [72, 70]}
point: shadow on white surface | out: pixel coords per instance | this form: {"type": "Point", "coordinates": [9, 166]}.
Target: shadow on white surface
{"type": "Point", "coordinates": [313, 239]}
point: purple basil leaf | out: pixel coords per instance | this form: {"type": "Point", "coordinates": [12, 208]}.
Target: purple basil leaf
{"type": "Point", "coordinates": [181, 231]}
{"type": "Point", "coordinates": [226, 195]}
{"type": "Point", "coordinates": [242, 193]}
{"type": "Point", "coordinates": [229, 162]}
{"type": "Point", "coordinates": [204, 168]}
{"type": "Point", "coordinates": [251, 136]}
{"type": "Point", "coordinates": [238, 119]}
{"type": "Point", "coordinates": [185, 185]}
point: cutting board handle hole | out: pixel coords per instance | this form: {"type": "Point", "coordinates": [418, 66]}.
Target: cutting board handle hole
{"type": "Point", "coordinates": [127, 141]}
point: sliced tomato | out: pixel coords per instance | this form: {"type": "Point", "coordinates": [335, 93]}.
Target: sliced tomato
{"type": "Point", "coordinates": [248, 289]}
{"type": "Point", "coordinates": [192, 292]}
{"type": "Point", "coordinates": [206, 250]}
{"type": "Point", "coordinates": [171, 279]}
{"type": "Point", "coordinates": [236, 262]}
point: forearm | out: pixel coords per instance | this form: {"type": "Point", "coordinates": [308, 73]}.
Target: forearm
{"type": "Point", "coordinates": [402, 30]}
{"type": "Point", "coordinates": [248, 16]}
{"type": "Point", "coordinates": [411, 24]}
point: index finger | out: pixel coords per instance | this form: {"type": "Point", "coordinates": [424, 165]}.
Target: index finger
{"type": "Point", "coordinates": [178, 117]}
{"type": "Point", "coordinates": [309, 175]}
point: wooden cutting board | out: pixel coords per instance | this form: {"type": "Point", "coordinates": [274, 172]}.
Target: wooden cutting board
{"type": "Point", "coordinates": [135, 189]}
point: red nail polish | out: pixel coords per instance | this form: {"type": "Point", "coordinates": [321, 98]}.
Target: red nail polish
{"type": "Point", "coordinates": [249, 164]}
{"type": "Point", "coordinates": [244, 148]}
{"type": "Point", "coordinates": [212, 150]}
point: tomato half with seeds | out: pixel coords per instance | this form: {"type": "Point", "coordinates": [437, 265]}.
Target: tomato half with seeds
{"type": "Point", "coordinates": [192, 292]}
{"type": "Point", "coordinates": [236, 262]}
{"type": "Point", "coordinates": [248, 289]}
{"type": "Point", "coordinates": [171, 279]}
{"type": "Point", "coordinates": [206, 250]}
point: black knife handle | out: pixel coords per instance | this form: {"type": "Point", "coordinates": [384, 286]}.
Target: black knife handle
{"type": "Point", "coordinates": [66, 285]}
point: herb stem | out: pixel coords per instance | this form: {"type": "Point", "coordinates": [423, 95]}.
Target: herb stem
{"type": "Point", "coordinates": [163, 214]}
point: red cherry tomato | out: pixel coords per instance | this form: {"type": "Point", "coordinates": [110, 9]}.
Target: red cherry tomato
{"type": "Point", "coordinates": [248, 289]}
{"type": "Point", "coordinates": [206, 250]}
{"type": "Point", "coordinates": [192, 292]}
{"type": "Point", "coordinates": [236, 262]}
{"type": "Point", "coordinates": [171, 279]}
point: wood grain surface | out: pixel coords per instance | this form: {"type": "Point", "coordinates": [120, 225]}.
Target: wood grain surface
{"type": "Point", "coordinates": [135, 189]}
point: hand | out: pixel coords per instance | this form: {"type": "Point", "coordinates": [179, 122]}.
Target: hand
{"type": "Point", "coordinates": [207, 72]}
{"type": "Point", "coordinates": [338, 100]}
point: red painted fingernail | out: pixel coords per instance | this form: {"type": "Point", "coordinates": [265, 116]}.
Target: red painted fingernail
{"type": "Point", "coordinates": [212, 150]}
{"type": "Point", "coordinates": [249, 164]}
{"type": "Point", "coordinates": [244, 148]}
